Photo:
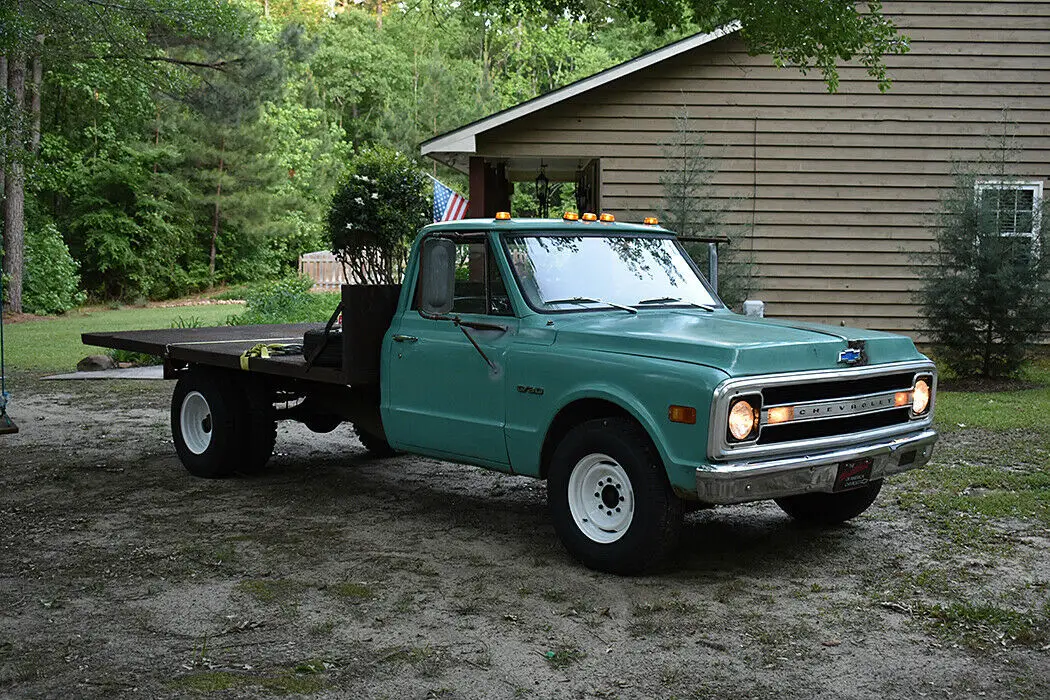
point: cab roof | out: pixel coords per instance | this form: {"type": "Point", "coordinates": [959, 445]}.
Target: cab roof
{"type": "Point", "coordinates": [548, 225]}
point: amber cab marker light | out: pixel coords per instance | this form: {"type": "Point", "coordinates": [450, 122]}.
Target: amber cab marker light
{"type": "Point", "coordinates": [682, 414]}
{"type": "Point", "coordinates": [650, 221]}
{"type": "Point", "coordinates": [570, 216]}
{"type": "Point", "coordinates": [780, 414]}
{"type": "Point", "coordinates": [590, 217]}
{"type": "Point", "coordinates": [502, 215]}
{"type": "Point", "coordinates": [607, 217]}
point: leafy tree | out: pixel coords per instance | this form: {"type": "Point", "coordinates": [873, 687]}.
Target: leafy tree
{"type": "Point", "coordinates": [987, 293]}
{"type": "Point", "coordinates": [38, 33]}
{"type": "Point", "coordinates": [52, 278]}
{"type": "Point", "coordinates": [805, 33]}
{"type": "Point", "coordinates": [380, 206]}
{"type": "Point", "coordinates": [690, 208]}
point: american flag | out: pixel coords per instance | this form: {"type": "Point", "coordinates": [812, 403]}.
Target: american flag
{"type": "Point", "coordinates": [448, 205]}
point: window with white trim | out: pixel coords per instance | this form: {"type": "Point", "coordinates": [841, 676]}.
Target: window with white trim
{"type": "Point", "coordinates": [1013, 205]}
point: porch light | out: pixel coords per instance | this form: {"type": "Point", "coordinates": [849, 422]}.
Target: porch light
{"type": "Point", "coordinates": [590, 217]}
{"type": "Point", "coordinates": [607, 217]}
{"type": "Point", "coordinates": [543, 192]}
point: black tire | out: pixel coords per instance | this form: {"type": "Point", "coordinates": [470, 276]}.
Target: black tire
{"type": "Point", "coordinates": [830, 508]}
{"type": "Point", "coordinates": [629, 545]}
{"type": "Point", "coordinates": [204, 424]}
{"type": "Point", "coordinates": [376, 446]}
{"type": "Point", "coordinates": [258, 434]}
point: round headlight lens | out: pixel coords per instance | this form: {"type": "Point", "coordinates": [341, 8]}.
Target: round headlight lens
{"type": "Point", "coordinates": [920, 396]}
{"type": "Point", "coordinates": [743, 419]}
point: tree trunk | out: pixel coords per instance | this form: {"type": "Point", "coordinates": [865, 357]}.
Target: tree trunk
{"type": "Point", "coordinates": [3, 134]}
{"type": "Point", "coordinates": [215, 217]}
{"type": "Point", "coordinates": [379, 14]}
{"type": "Point", "coordinates": [14, 185]}
{"type": "Point", "coordinates": [34, 105]}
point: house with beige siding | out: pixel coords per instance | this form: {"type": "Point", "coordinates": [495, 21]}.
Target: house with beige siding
{"type": "Point", "coordinates": [836, 191]}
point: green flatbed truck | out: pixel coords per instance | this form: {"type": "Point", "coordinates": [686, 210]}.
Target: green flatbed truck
{"type": "Point", "coordinates": [592, 354]}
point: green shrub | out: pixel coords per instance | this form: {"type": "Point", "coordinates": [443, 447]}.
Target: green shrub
{"type": "Point", "coordinates": [987, 295]}
{"type": "Point", "coordinates": [376, 212]}
{"type": "Point", "coordinates": [51, 282]}
{"type": "Point", "coordinates": [287, 300]}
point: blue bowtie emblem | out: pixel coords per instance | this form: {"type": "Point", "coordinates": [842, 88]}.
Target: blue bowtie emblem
{"type": "Point", "coordinates": [849, 355]}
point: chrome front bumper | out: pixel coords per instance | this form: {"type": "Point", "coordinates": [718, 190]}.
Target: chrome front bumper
{"type": "Point", "coordinates": [755, 481]}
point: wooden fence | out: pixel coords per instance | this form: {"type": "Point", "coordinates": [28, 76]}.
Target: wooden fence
{"type": "Point", "coordinates": [323, 269]}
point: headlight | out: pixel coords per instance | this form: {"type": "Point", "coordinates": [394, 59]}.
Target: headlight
{"type": "Point", "coordinates": [743, 419]}
{"type": "Point", "coordinates": [920, 396]}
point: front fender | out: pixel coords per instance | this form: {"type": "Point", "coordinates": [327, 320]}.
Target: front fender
{"type": "Point", "coordinates": [644, 387]}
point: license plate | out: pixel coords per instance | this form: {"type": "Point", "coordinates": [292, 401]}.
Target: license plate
{"type": "Point", "coordinates": [853, 475]}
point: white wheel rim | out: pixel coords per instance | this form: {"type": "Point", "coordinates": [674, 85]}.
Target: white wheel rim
{"type": "Point", "coordinates": [195, 422]}
{"type": "Point", "coordinates": [601, 498]}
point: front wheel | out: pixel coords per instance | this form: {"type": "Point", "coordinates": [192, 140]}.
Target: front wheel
{"type": "Point", "coordinates": [610, 500]}
{"type": "Point", "coordinates": [830, 508]}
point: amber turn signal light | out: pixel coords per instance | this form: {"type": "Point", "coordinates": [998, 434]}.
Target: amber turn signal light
{"type": "Point", "coordinates": [780, 414]}
{"type": "Point", "coordinates": [502, 215]}
{"type": "Point", "coordinates": [570, 216]}
{"type": "Point", "coordinates": [682, 414]}
{"type": "Point", "coordinates": [650, 221]}
{"type": "Point", "coordinates": [607, 217]}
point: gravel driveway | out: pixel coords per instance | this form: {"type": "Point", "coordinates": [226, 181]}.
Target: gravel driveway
{"type": "Point", "coordinates": [334, 575]}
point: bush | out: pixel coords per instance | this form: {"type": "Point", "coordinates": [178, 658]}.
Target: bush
{"type": "Point", "coordinates": [51, 281]}
{"type": "Point", "coordinates": [287, 300]}
{"type": "Point", "coordinates": [988, 294]}
{"type": "Point", "coordinates": [376, 212]}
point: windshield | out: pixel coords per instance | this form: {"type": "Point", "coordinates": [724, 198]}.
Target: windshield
{"type": "Point", "coordinates": [566, 272]}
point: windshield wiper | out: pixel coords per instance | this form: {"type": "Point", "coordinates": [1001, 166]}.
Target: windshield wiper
{"type": "Point", "coordinates": [674, 300]}
{"type": "Point", "coordinates": [589, 300]}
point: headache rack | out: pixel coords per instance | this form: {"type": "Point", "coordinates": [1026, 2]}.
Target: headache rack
{"type": "Point", "coordinates": [828, 408]}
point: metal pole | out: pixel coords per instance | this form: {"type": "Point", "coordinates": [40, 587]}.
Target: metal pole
{"type": "Point", "coordinates": [712, 265]}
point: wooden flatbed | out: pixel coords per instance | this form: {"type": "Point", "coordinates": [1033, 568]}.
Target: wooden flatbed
{"type": "Point", "coordinates": [222, 346]}
{"type": "Point", "coordinates": [367, 312]}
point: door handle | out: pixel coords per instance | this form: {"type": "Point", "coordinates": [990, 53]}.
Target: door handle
{"type": "Point", "coordinates": [405, 338]}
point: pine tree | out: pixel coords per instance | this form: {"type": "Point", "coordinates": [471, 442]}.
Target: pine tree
{"type": "Point", "coordinates": [692, 210]}
{"type": "Point", "coordinates": [987, 295]}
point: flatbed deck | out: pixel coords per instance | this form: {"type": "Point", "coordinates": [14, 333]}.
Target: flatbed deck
{"type": "Point", "coordinates": [222, 346]}
{"type": "Point", "coordinates": [367, 312]}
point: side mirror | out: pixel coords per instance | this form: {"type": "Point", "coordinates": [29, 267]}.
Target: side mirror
{"type": "Point", "coordinates": [437, 277]}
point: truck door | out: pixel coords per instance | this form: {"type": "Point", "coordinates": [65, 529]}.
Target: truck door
{"type": "Point", "coordinates": [443, 397]}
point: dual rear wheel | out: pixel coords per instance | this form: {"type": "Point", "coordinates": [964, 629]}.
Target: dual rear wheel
{"type": "Point", "coordinates": [221, 425]}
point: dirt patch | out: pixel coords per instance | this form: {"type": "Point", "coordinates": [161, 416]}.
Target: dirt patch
{"type": "Point", "coordinates": [334, 575]}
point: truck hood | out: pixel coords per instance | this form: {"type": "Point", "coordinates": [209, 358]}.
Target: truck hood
{"type": "Point", "coordinates": [738, 345]}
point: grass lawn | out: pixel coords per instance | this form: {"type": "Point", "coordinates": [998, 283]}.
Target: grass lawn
{"type": "Point", "coordinates": [53, 345]}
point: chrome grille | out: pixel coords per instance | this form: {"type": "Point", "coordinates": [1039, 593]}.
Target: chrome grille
{"type": "Point", "coordinates": [828, 409]}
